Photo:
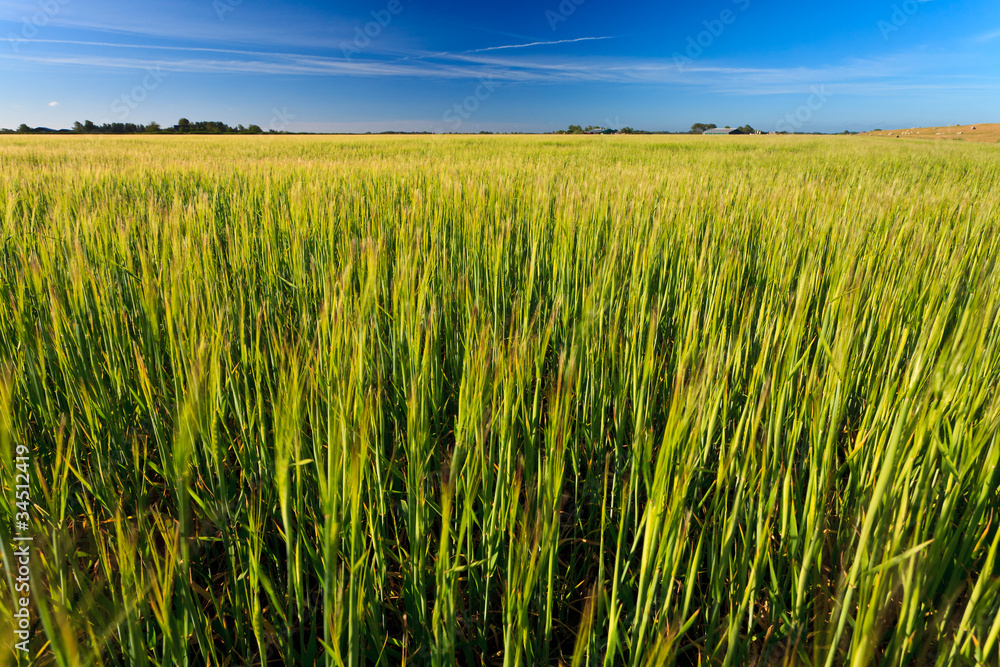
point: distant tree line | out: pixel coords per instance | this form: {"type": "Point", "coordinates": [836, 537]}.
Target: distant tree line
{"type": "Point", "coordinates": [579, 129]}
{"type": "Point", "coordinates": [697, 128]}
{"type": "Point", "coordinates": [183, 126]}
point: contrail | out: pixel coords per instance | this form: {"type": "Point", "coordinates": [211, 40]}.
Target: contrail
{"type": "Point", "coordinates": [523, 46]}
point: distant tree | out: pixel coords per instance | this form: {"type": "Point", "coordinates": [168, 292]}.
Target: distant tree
{"type": "Point", "coordinates": [184, 125]}
{"type": "Point", "coordinates": [88, 126]}
{"type": "Point", "coordinates": [574, 129]}
{"type": "Point", "coordinates": [701, 128]}
{"type": "Point", "coordinates": [746, 129]}
{"type": "Point", "coordinates": [153, 126]}
{"type": "Point", "coordinates": [78, 127]}
{"type": "Point", "coordinates": [626, 130]}
{"type": "Point", "coordinates": [23, 128]}
{"type": "Point", "coordinates": [255, 129]}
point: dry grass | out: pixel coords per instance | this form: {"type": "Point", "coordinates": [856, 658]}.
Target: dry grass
{"type": "Point", "coordinates": [986, 133]}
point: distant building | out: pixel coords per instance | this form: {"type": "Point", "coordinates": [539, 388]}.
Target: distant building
{"type": "Point", "coordinates": [722, 130]}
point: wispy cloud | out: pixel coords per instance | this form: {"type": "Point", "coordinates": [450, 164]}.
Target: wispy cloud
{"type": "Point", "coordinates": [156, 47]}
{"type": "Point", "coordinates": [988, 36]}
{"type": "Point", "coordinates": [265, 25]}
{"type": "Point", "coordinates": [53, 104]}
{"type": "Point", "coordinates": [525, 46]}
{"type": "Point", "coordinates": [913, 72]}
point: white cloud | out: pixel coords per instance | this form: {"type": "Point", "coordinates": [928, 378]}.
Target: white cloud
{"type": "Point", "coordinates": [53, 104]}
{"type": "Point", "coordinates": [888, 75]}
{"type": "Point", "coordinates": [301, 28]}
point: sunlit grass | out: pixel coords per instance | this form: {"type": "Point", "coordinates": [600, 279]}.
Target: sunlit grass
{"type": "Point", "coordinates": [588, 401]}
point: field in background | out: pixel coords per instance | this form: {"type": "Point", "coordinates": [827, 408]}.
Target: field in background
{"type": "Point", "coordinates": [596, 400]}
{"type": "Point", "coordinates": [988, 133]}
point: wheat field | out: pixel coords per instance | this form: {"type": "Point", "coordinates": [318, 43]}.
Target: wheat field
{"type": "Point", "coordinates": [502, 400]}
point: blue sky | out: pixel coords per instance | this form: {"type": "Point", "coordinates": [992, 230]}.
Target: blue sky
{"type": "Point", "coordinates": [373, 65]}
